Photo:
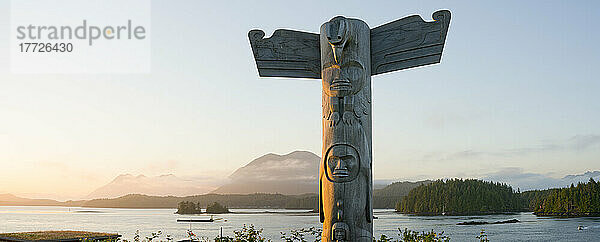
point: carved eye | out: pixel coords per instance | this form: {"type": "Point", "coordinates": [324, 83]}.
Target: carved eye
{"type": "Point", "coordinates": [339, 37]}
{"type": "Point", "coordinates": [353, 73]}
{"type": "Point", "coordinates": [348, 160]}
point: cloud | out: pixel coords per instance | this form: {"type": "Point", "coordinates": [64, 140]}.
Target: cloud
{"type": "Point", "coordinates": [163, 185]}
{"type": "Point", "coordinates": [519, 179]}
{"type": "Point", "coordinates": [530, 181]}
{"type": "Point", "coordinates": [575, 143]}
{"type": "Point", "coordinates": [296, 166]}
{"type": "Point", "coordinates": [580, 142]}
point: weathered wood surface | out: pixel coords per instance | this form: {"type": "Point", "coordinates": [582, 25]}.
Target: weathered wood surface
{"type": "Point", "coordinates": [408, 42]}
{"type": "Point", "coordinates": [405, 43]}
{"type": "Point", "coordinates": [345, 183]}
{"type": "Point", "coordinates": [287, 53]}
{"type": "Point", "coordinates": [345, 55]}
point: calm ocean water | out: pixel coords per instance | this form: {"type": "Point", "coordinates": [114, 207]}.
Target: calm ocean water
{"type": "Point", "coordinates": [127, 221]}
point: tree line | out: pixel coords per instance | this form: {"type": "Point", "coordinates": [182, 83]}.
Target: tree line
{"type": "Point", "coordinates": [471, 196]}
{"type": "Point", "coordinates": [188, 207]}
{"type": "Point", "coordinates": [382, 198]}
{"type": "Point", "coordinates": [460, 197]}
{"type": "Point", "coordinates": [582, 199]}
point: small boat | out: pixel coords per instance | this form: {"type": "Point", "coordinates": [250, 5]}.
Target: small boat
{"type": "Point", "coordinates": [196, 220]}
{"type": "Point", "coordinates": [210, 220]}
{"type": "Point", "coordinates": [579, 227]}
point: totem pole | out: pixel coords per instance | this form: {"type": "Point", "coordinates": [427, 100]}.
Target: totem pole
{"type": "Point", "coordinates": [345, 55]}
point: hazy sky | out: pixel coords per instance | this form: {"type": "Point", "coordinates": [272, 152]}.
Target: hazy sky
{"type": "Point", "coordinates": [517, 87]}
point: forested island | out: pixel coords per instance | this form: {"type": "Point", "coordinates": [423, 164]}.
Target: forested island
{"type": "Point", "coordinates": [187, 207]}
{"type": "Point", "coordinates": [472, 197]}
{"type": "Point", "coordinates": [461, 197]}
{"type": "Point", "coordinates": [579, 200]}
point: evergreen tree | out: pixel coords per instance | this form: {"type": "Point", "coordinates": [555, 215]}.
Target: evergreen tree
{"type": "Point", "coordinates": [458, 196]}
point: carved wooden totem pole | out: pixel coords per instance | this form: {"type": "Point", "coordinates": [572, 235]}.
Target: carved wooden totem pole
{"type": "Point", "coordinates": [345, 55]}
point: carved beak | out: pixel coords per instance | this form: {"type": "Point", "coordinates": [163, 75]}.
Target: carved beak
{"type": "Point", "coordinates": [336, 31]}
{"type": "Point", "coordinates": [337, 52]}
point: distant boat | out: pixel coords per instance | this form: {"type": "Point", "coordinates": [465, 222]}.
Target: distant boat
{"type": "Point", "coordinates": [210, 220]}
{"type": "Point", "coordinates": [579, 227]}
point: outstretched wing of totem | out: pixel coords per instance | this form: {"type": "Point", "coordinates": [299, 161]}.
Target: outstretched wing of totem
{"type": "Point", "coordinates": [408, 42]}
{"type": "Point", "coordinates": [287, 53]}
{"type": "Point", "coordinates": [405, 43]}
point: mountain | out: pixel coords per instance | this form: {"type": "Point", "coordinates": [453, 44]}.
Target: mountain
{"type": "Point", "coordinates": [257, 200]}
{"type": "Point", "coordinates": [12, 200]}
{"type": "Point", "coordinates": [388, 196]}
{"type": "Point", "coordinates": [399, 188]}
{"type": "Point", "coordinates": [9, 199]}
{"type": "Point", "coordinates": [536, 181]}
{"type": "Point", "coordinates": [164, 185]}
{"type": "Point", "coordinates": [293, 173]}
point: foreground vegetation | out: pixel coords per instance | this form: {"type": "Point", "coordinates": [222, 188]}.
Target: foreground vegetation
{"type": "Point", "coordinates": [250, 233]}
{"type": "Point", "coordinates": [59, 235]}
{"type": "Point", "coordinates": [461, 197]}
{"type": "Point", "coordinates": [245, 234]}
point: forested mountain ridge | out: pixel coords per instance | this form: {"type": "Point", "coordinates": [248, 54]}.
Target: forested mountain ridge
{"type": "Point", "coordinates": [290, 174]}
{"type": "Point", "coordinates": [388, 196]}
{"type": "Point", "coordinates": [382, 198]}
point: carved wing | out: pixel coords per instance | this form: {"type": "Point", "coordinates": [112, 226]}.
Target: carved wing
{"type": "Point", "coordinates": [362, 105]}
{"type": "Point", "coordinates": [287, 53]}
{"type": "Point", "coordinates": [408, 42]}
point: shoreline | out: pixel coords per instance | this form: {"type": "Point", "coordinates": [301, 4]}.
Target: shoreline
{"type": "Point", "coordinates": [567, 214]}
{"type": "Point", "coordinates": [464, 214]}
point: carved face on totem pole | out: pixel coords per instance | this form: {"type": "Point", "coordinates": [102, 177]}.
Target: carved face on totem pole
{"type": "Point", "coordinates": [342, 74]}
{"type": "Point", "coordinates": [342, 162]}
{"type": "Point", "coordinates": [345, 54]}
{"type": "Point", "coordinates": [345, 177]}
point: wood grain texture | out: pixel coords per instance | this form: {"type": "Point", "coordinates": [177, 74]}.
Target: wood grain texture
{"type": "Point", "coordinates": [345, 175]}
{"type": "Point", "coordinates": [287, 53]}
{"type": "Point", "coordinates": [408, 42]}
{"type": "Point", "coordinates": [345, 55]}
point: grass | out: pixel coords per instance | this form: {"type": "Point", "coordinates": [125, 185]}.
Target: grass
{"type": "Point", "coordinates": [54, 235]}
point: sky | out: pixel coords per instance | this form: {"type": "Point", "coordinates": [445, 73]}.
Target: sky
{"type": "Point", "coordinates": [516, 90]}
